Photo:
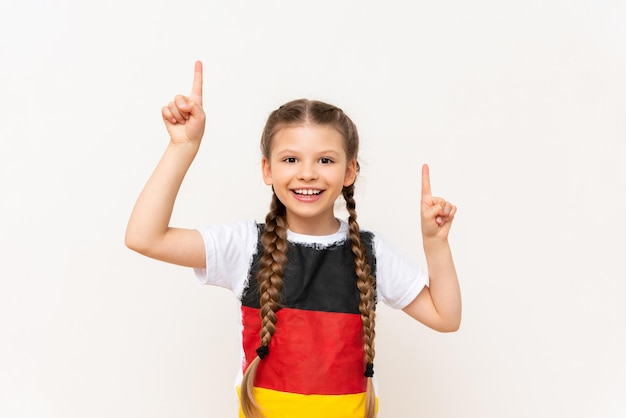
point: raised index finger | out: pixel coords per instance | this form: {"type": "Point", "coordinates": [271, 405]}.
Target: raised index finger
{"type": "Point", "coordinates": [426, 193]}
{"type": "Point", "coordinates": [196, 87]}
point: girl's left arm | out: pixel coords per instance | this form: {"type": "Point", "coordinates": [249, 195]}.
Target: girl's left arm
{"type": "Point", "coordinates": [438, 306]}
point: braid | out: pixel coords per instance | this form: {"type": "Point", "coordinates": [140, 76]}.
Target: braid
{"type": "Point", "coordinates": [270, 278]}
{"type": "Point", "coordinates": [365, 284]}
{"type": "Point", "coordinates": [299, 113]}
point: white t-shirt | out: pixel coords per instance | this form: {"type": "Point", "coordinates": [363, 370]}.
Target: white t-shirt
{"type": "Point", "coordinates": [230, 249]}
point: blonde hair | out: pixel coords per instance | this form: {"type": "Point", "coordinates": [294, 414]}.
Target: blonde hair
{"type": "Point", "coordinates": [274, 241]}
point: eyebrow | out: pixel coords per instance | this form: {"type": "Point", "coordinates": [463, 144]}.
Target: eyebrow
{"type": "Point", "coordinates": [290, 151]}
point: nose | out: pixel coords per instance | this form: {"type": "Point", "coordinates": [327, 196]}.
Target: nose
{"type": "Point", "coordinates": [308, 171]}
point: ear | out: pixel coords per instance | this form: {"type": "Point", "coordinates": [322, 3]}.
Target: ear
{"type": "Point", "coordinates": [267, 171]}
{"type": "Point", "coordinates": [351, 172]}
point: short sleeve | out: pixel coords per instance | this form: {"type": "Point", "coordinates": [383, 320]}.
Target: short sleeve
{"type": "Point", "coordinates": [398, 280]}
{"type": "Point", "coordinates": [229, 252]}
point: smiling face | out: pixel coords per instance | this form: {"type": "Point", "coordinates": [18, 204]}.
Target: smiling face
{"type": "Point", "coordinates": [308, 169]}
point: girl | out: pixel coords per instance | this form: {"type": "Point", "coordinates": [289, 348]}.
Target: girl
{"type": "Point", "coordinates": [307, 282]}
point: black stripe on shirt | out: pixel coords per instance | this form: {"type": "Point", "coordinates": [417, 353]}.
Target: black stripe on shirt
{"type": "Point", "coordinates": [316, 278]}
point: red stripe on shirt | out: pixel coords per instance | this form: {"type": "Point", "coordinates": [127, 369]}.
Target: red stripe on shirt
{"type": "Point", "coordinates": [311, 352]}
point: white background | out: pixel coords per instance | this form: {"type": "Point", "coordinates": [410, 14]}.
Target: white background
{"type": "Point", "coordinates": [518, 107]}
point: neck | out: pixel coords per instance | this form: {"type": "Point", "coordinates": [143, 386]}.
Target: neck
{"type": "Point", "coordinates": [313, 227]}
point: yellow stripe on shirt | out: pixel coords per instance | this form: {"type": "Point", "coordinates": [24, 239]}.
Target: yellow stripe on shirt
{"type": "Point", "coordinates": [276, 404]}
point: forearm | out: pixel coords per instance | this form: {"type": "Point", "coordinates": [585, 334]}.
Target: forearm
{"type": "Point", "coordinates": [444, 284]}
{"type": "Point", "coordinates": [149, 220]}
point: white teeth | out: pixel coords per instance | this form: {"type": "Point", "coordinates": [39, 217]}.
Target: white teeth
{"type": "Point", "coordinates": [307, 191]}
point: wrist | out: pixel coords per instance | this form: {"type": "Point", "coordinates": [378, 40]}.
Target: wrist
{"type": "Point", "coordinates": [188, 148]}
{"type": "Point", "coordinates": [435, 243]}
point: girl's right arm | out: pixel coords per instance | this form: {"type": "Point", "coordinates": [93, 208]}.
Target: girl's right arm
{"type": "Point", "coordinates": [148, 231]}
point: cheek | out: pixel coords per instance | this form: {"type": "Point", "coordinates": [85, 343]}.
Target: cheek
{"type": "Point", "coordinates": [281, 175]}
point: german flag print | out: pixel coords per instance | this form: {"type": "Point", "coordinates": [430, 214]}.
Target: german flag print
{"type": "Point", "coordinates": [316, 361]}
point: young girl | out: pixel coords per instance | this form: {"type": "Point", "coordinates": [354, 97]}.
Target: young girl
{"type": "Point", "coordinates": [307, 282]}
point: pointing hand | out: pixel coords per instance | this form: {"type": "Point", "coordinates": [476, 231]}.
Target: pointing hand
{"type": "Point", "coordinates": [436, 213]}
{"type": "Point", "coordinates": [184, 117]}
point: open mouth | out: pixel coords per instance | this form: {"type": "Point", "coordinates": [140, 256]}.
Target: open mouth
{"type": "Point", "coordinates": [307, 192]}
